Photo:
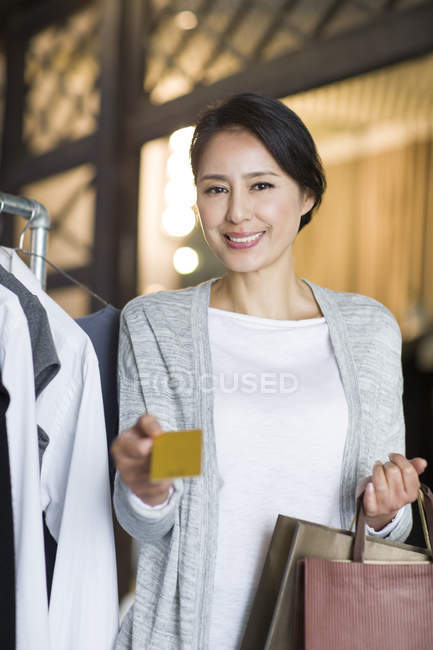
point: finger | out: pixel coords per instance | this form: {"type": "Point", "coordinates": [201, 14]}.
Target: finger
{"type": "Point", "coordinates": [409, 474]}
{"type": "Point", "coordinates": [397, 495]}
{"type": "Point", "coordinates": [131, 468]}
{"type": "Point", "coordinates": [127, 444]}
{"type": "Point", "coordinates": [147, 426]}
{"type": "Point", "coordinates": [360, 488]}
{"type": "Point", "coordinates": [370, 501]}
{"type": "Point", "coordinates": [419, 464]}
{"type": "Point", "coordinates": [379, 481]}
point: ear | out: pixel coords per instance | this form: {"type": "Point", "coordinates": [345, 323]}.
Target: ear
{"type": "Point", "coordinates": [309, 200]}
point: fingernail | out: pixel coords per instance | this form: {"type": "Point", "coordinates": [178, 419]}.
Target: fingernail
{"type": "Point", "coordinates": [370, 487]}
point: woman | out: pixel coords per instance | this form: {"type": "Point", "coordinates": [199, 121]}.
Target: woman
{"type": "Point", "coordinates": [297, 389]}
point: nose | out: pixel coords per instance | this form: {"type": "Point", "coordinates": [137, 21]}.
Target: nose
{"type": "Point", "coordinates": [238, 208]}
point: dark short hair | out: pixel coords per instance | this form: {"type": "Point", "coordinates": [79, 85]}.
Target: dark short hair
{"type": "Point", "coordinates": [282, 132]}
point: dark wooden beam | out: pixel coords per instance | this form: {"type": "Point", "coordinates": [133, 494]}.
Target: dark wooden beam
{"type": "Point", "coordinates": [12, 145]}
{"type": "Point", "coordinates": [393, 37]}
{"type": "Point", "coordinates": [11, 142]}
{"type": "Point", "coordinates": [132, 62]}
{"type": "Point", "coordinates": [118, 158]}
{"type": "Point", "coordinates": [105, 247]}
{"type": "Point", "coordinates": [29, 169]}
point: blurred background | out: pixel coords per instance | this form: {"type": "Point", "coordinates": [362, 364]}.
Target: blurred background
{"type": "Point", "coordinates": [97, 103]}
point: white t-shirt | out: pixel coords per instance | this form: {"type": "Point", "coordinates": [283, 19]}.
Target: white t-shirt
{"type": "Point", "coordinates": [280, 418]}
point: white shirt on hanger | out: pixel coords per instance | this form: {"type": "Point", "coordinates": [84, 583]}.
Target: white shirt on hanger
{"type": "Point", "coordinates": [75, 487]}
{"type": "Point", "coordinates": [32, 629]}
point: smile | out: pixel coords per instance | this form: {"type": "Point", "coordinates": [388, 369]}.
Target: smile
{"type": "Point", "coordinates": [243, 241]}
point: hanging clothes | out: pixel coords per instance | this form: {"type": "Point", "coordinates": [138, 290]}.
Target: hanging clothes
{"type": "Point", "coordinates": [102, 327]}
{"type": "Point", "coordinates": [74, 484]}
{"type": "Point", "coordinates": [32, 627]}
{"type": "Point", "coordinates": [7, 554]}
{"type": "Point", "coordinates": [46, 365]}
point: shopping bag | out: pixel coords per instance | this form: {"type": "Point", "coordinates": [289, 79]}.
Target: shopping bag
{"type": "Point", "coordinates": [275, 621]}
{"type": "Point", "coordinates": [360, 604]}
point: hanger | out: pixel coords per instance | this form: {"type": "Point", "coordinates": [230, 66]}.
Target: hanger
{"type": "Point", "coordinates": [21, 249]}
{"type": "Point", "coordinates": [64, 273]}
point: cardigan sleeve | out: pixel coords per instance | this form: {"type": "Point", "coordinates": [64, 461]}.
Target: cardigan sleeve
{"type": "Point", "coordinates": [144, 524]}
{"type": "Point", "coordinates": [395, 440]}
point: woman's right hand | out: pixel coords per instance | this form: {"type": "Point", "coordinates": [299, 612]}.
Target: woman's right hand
{"type": "Point", "coordinates": [132, 450]}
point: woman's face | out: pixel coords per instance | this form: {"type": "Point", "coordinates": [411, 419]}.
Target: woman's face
{"type": "Point", "coordinates": [249, 208]}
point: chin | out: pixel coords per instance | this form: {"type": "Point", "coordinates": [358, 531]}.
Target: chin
{"type": "Point", "coordinates": [243, 267]}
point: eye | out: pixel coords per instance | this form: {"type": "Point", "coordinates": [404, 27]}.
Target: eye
{"type": "Point", "coordinates": [215, 189]}
{"type": "Point", "coordinates": [262, 185]}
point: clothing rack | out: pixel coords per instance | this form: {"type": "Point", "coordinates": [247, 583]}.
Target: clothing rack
{"type": "Point", "coordinates": [38, 223]}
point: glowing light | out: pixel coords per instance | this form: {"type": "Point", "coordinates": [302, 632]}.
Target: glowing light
{"type": "Point", "coordinates": [186, 20]}
{"type": "Point", "coordinates": [178, 223]}
{"type": "Point", "coordinates": [185, 260]}
{"type": "Point", "coordinates": [180, 193]}
{"type": "Point", "coordinates": [179, 169]}
{"type": "Point", "coordinates": [180, 140]}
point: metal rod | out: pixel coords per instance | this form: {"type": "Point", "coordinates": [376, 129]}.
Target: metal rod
{"type": "Point", "coordinates": [38, 223]}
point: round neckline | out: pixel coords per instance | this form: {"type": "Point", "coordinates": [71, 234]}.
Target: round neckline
{"type": "Point", "coordinates": [274, 322]}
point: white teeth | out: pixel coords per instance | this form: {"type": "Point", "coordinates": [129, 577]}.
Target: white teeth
{"type": "Point", "coordinates": [245, 239]}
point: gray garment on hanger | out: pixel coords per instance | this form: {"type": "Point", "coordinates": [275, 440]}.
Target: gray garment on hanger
{"type": "Point", "coordinates": [102, 327]}
{"type": "Point", "coordinates": [46, 363]}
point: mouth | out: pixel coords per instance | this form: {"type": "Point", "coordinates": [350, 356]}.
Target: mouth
{"type": "Point", "coordinates": [243, 240]}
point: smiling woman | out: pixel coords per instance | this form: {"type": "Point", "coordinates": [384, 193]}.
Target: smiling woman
{"type": "Point", "coordinates": [242, 207]}
{"type": "Point", "coordinates": [301, 449]}
{"type": "Point", "coordinates": [258, 178]}
{"type": "Point", "coordinates": [278, 129]}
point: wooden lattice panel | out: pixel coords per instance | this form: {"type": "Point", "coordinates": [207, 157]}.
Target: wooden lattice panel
{"type": "Point", "coordinates": [62, 77]}
{"type": "Point", "coordinates": [214, 39]}
{"type": "Point", "coordinates": [69, 198]}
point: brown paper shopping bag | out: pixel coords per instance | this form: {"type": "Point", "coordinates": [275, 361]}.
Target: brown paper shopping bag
{"type": "Point", "coordinates": [275, 621]}
{"type": "Point", "coordinates": [359, 604]}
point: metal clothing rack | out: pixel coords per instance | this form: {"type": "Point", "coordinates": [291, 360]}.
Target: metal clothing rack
{"type": "Point", "coordinates": [39, 225]}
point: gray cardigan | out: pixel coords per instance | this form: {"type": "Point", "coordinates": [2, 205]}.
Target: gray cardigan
{"type": "Point", "coordinates": [164, 362]}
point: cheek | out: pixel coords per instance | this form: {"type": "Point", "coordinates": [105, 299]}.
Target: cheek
{"type": "Point", "coordinates": [210, 214]}
{"type": "Point", "coordinates": [283, 212]}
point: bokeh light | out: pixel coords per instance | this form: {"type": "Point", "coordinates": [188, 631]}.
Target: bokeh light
{"type": "Point", "coordinates": [178, 223]}
{"type": "Point", "coordinates": [185, 260]}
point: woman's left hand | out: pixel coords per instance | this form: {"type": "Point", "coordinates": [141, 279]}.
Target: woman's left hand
{"type": "Point", "coordinates": [390, 487]}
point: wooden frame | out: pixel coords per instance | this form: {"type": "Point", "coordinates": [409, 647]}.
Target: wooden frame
{"type": "Point", "coordinates": [390, 39]}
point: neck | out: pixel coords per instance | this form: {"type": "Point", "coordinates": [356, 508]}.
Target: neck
{"type": "Point", "coordinates": [266, 294]}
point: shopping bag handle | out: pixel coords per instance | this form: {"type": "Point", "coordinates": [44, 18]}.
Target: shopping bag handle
{"type": "Point", "coordinates": [425, 504]}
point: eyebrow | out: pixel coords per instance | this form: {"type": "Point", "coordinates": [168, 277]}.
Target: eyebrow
{"type": "Point", "coordinates": [221, 177]}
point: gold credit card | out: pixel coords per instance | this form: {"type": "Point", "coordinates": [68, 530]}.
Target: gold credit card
{"type": "Point", "coordinates": [176, 454]}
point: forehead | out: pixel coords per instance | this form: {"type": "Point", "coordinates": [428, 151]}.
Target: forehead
{"type": "Point", "coordinates": [235, 149]}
